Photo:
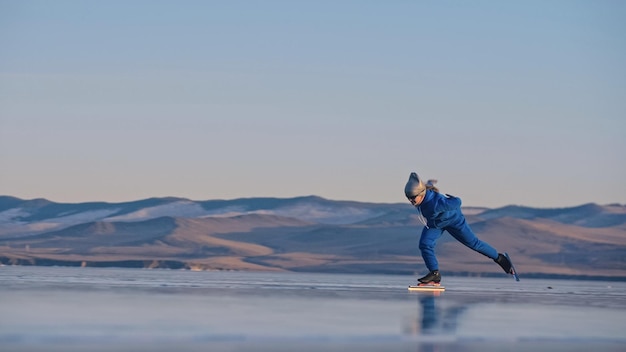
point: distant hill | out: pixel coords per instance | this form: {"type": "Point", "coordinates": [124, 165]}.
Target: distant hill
{"type": "Point", "coordinates": [305, 234]}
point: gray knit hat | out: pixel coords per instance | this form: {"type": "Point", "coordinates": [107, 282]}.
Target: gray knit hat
{"type": "Point", "coordinates": [414, 186]}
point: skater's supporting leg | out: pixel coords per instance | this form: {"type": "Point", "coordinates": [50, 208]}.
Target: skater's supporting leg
{"type": "Point", "coordinates": [427, 247]}
{"type": "Point", "coordinates": [431, 277]}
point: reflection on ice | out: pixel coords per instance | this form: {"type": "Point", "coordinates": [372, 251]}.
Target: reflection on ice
{"type": "Point", "coordinates": [123, 309]}
{"type": "Point", "coordinates": [435, 320]}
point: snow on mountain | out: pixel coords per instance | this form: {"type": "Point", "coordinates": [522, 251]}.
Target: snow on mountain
{"type": "Point", "coordinates": [327, 214]}
{"type": "Point", "coordinates": [12, 221]}
{"type": "Point", "coordinates": [182, 208]}
{"type": "Point", "coordinates": [336, 215]}
{"type": "Point", "coordinates": [28, 217]}
{"type": "Point", "coordinates": [586, 215]}
{"type": "Point", "coordinates": [303, 210]}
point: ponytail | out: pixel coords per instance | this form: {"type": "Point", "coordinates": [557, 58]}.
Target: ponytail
{"type": "Point", "coordinates": [431, 185]}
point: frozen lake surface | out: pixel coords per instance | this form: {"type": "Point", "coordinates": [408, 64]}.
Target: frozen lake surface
{"type": "Point", "coordinates": [97, 309]}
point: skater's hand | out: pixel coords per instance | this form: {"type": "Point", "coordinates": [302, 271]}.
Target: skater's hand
{"type": "Point", "coordinates": [450, 196]}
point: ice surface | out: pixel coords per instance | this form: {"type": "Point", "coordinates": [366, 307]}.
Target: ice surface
{"type": "Point", "coordinates": [96, 309]}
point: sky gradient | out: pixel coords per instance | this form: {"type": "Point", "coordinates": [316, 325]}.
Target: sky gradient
{"type": "Point", "coordinates": [502, 102]}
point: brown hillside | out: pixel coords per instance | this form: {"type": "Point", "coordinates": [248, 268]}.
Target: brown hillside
{"type": "Point", "coordinates": [267, 242]}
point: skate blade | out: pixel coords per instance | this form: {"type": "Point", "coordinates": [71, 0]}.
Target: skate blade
{"type": "Point", "coordinates": [427, 287]}
{"type": "Point", "coordinates": [429, 284]}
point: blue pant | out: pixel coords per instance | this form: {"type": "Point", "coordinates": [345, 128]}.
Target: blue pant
{"type": "Point", "coordinates": [461, 233]}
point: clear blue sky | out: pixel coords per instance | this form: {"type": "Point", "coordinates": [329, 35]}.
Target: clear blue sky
{"type": "Point", "coordinates": [503, 102]}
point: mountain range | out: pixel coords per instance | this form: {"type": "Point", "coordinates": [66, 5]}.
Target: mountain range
{"type": "Point", "coordinates": [309, 233]}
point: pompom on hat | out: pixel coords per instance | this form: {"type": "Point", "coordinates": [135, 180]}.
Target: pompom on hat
{"type": "Point", "coordinates": [414, 186]}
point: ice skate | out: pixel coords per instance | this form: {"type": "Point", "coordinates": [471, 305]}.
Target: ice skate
{"type": "Point", "coordinates": [432, 278]}
{"type": "Point", "coordinates": [504, 263]}
{"type": "Point", "coordinates": [504, 260]}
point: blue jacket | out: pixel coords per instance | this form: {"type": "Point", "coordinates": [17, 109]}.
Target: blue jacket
{"type": "Point", "coordinates": [440, 211]}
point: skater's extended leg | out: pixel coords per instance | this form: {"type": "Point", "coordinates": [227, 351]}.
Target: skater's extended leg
{"type": "Point", "coordinates": [465, 235]}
